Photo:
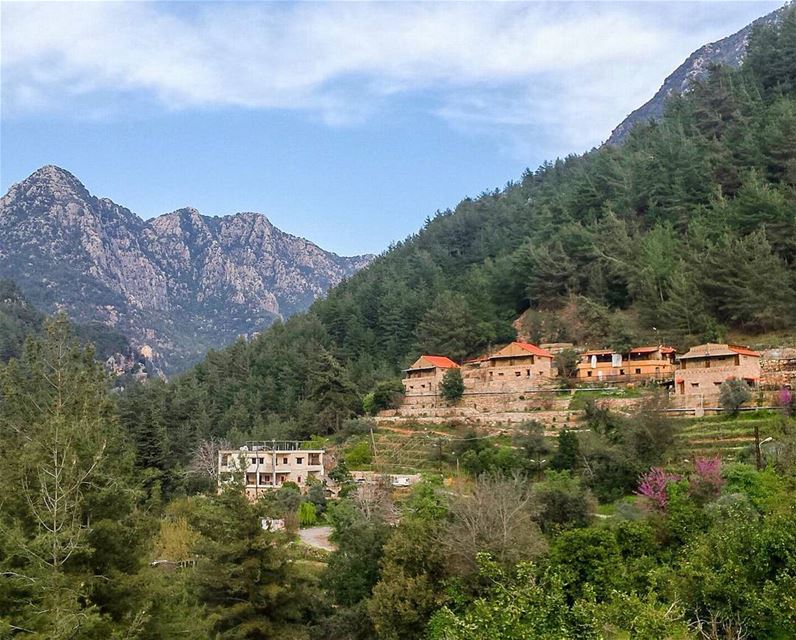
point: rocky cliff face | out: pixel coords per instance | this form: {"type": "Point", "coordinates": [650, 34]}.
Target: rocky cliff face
{"type": "Point", "coordinates": [728, 51]}
{"type": "Point", "coordinates": [181, 283]}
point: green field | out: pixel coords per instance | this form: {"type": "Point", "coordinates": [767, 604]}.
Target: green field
{"type": "Point", "coordinates": [729, 436]}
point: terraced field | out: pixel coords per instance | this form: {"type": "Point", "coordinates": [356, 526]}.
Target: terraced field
{"type": "Point", "coordinates": [726, 436]}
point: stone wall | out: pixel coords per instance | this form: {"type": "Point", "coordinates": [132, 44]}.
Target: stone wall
{"type": "Point", "coordinates": [778, 367]}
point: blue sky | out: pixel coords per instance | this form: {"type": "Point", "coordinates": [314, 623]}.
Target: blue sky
{"type": "Point", "coordinates": [346, 123]}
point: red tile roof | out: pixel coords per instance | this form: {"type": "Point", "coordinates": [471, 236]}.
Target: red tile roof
{"type": "Point", "coordinates": [443, 362]}
{"type": "Point", "coordinates": [532, 348]}
{"type": "Point", "coordinates": [744, 351]}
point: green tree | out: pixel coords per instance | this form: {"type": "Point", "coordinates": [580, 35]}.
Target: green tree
{"type": "Point", "coordinates": [448, 328]}
{"type": "Point", "coordinates": [452, 386]}
{"type": "Point", "coordinates": [244, 575]}
{"type": "Point", "coordinates": [68, 516]}
{"type": "Point", "coordinates": [568, 452]}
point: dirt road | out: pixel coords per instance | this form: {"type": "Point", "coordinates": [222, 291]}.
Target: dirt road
{"type": "Point", "coordinates": [317, 537]}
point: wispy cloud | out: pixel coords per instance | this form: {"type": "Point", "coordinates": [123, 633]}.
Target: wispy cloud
{"type": "Point", "coordinates": [573, 67]}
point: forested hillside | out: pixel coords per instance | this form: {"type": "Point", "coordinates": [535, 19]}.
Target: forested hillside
{"type": "Point", "coordinates": [19, 319]}
{"type": "Point", "coordinates": [686, 232]}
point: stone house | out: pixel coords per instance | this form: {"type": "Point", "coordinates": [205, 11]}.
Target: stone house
{"type": "Point", "coordinates": [638, 364]}
{"type": "Point", "coordinates": [267, 465]}
{"type": "Point", "coordinates": [425, 375]}
{"type": "Point", "coordinates": [705, 367]}
{"type": "Point", "coordinates": [519, 366]}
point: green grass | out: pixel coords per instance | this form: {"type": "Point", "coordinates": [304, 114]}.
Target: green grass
{"type": "Point", "coordinates": [580, 398]}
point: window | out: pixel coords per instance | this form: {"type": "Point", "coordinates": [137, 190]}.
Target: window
{"type": "Point", "coordinates": [299, 460]}
{"type": "Point", "coordinates": [315, 458]}
{"type": "Point", "coordinates": [500, 374]}
{"type": "Point", "coordinates": [621, 372]}
{"type": "Point", "coordinates": [717, 384]}
{"type": "Point", "coordinates": [695, 385]}
{"type": "Point", "coordinates": [707, 364]}
{"type": "Point", "coordinates": [517, 374]}
{"type": "Point", "coordinates": [528, 372]}
{"type": "Point", "coordinates": [265, 478]}
{"type": "Point", "coordinates": [261, 460]}
{"type": "Point", "coordinates": [298, 479]}
{"type": "Point", "coordinates": [638, 371]}
{"type": "Point", "coordinates": [588, 374]}
{"type": "Point", "coordinates": [225, 460]}
{"type": "Point", "coordinates": [251, 478]}
{"type": "Point", "coordinates": [284, 460]}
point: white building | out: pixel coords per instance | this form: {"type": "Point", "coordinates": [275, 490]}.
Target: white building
{"type": "Point", "coordinates": [267, 465]}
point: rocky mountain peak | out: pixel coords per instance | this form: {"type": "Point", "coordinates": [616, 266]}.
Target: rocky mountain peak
{"type": "Point", "coordinates": [50, 183]}
{"type": "Point", "coordinates": [181, 282]}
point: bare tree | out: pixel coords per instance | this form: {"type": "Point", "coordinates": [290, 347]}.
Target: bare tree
{"type": "Point", "coordinates": [716, 627]}
{"type": "Point", "coordinates": [496, 517]}
{"type": "Point", "coordinates": [204, 462]}
{"type": "Point", "coordinates": [374, 500]}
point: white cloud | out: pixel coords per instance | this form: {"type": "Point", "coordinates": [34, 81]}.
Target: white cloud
{"type": "Point", "coordinates": [576, 67]}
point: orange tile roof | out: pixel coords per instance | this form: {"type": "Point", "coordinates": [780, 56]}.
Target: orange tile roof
{"type": "Point", "coordinates": [532, 348]}
{"type": "Point", "coordinates": [443, 362]}
{"type": "Point", "coordinates": [744, 351]}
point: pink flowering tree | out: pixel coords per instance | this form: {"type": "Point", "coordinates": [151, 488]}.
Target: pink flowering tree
{"type": "Point", "coordinates": [653, 486]}
{"type": "Point", "coordinates": [786, 400]}
{"type": "Point", "coordinates": [705, 482]}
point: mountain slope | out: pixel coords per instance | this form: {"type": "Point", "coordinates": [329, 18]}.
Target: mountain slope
{"type": "Point", "coordinates": [180, 283]}
{"type": "Point", "coordinates": [684, 234]}
{"type": "Point", "coordinates": [728, 52]}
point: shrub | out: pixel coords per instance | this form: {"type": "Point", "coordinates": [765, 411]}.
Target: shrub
{"type": "Point", "coordinates": [307, 515]}
{"type": "Point", "coordinates": [358, 455]}
{"type": "Point", "coordinates": [733, 393]}
{"type": "Point", "coordinates": [653, 486]}
{"type": "Point", "coordinates": [706, 482]}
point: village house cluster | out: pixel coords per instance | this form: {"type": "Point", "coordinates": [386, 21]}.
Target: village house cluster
{"type": "Point", "coordinates": [522, 367]}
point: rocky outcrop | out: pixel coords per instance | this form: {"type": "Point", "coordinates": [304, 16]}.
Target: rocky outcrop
{"type": "Point", "coordinates": [181, 283]}
{"type": "Point", "coordinates": [728, 51]}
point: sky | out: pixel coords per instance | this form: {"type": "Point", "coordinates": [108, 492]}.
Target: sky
{"type": "Point", "coordinates": [345, 123]}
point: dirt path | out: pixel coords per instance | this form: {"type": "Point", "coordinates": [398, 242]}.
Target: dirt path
{"type": "Point", "coordinates": [317, 537]}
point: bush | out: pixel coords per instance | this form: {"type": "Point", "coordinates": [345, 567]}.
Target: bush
{"type": "Point", "coordinates": [385, 395]}
{"type": "Point", "coordinates": [358, 455]}
{"type": "Point", "coordinates": [563, 502]}
{"type": "Point", "coordinates": [307, 515]}
{"type": "Point", "coordinates": [733, 393]}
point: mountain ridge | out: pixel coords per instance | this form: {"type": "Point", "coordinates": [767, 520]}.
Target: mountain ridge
{"type": "Point", "coordinates": [181, 282]}
{"type": "Point", "coordinates": [728, 51]}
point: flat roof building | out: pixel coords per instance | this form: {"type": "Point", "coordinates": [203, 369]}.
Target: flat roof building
{"type": "Point", "coordinates": [267, 465]}
{"type": "Point", "coordinates": [638, 364]}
